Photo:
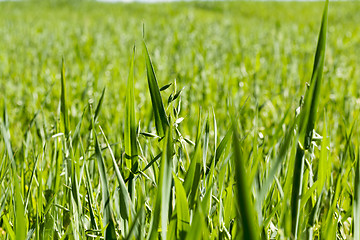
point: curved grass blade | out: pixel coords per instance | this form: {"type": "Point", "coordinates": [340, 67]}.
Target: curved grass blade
{"type": "Point", "coordinates": [161, 121]}
{"type": "Point", "coordinates": [107, 218]}
{"type": "Point", "coordinates": [125, 200]}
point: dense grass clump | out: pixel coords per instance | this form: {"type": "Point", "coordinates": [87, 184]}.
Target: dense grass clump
{"type": "Point", "coordinates": [222, 121]}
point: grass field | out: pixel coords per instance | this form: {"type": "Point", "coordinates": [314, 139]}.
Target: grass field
{"type": "Point", "coordinates": [197, 120]}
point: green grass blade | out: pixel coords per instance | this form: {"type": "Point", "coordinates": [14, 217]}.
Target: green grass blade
{"type": "Point", "coordinates": [89, 190]}
{"type": "Point", "coordinates": [98, 107]}
{"type": "Point", "coordinates": [308, 117]}
{"type": "Point", "coordinates": [247, 215]}
{"type": "Point", "coordinates": [63, 99]}
{"type": "Point", "coordinates": [313, 216]}
{"type": "Point", "coordinates": [30, 183]}
{"type": "Point", "coordinates": [20, 227]}
{"type": "Point", "coordinates": [323, 169]}
{"type": "Point", "coordinates": [297, 190]}
{"type": "Point", "coordinates": [182, 209]}
{"type": "Point", "coordinates": [6, 137]}
{"type": "Point", "coordinates": [126, 204]}
{"type": "Point", "coordinates": [107, 218]}
{"type": "Point", "coordinates": [312, 96]}
{"type": "Point", "coordinates": [223, 143]}
{"type": "Point", "coordinates": [161, 209]}
{"type": "Point", "coordinates": [194, 167]}
{"type": "Point", "coordinates": [76, 135]}
{"type": "Point", "coordinates": [8, 227]}
{"type": "Point", "coordinates": [161, 121]}
{"type": "Point", "coordinates": [198, 229]}
{"type": "Point", "coordinates": [135, 225]}
{"type": "Point", "coordinates": [356, 207]}
{"type": "Point", "coordinates": [130, 127]}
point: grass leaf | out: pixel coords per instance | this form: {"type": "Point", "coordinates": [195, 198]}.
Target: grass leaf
{"type": "Point", "coordinates": [161, 121]}
{"type": "Point", "coordinates": [247, 215]}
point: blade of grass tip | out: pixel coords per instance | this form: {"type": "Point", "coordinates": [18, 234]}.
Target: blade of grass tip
{"type": "Point", "coordinates": [63, 99]}
{"type": "Point", "coordinates": [308, 117]}
{"type": "Point", "coordinates": [130, 128]}
{"type": "Point", "coordinates": [107, 218]}
{"type": "Point", "coordinates": [98, 107]}
{"type": "Point", "coordinates": [161, 209]}
{"type": "Point", "coordinates": [161, 121]}
{"type": "Point", "coordinates": [356, 208]}
{"type": "Point", "coordinates": [247, 215]}
{"type": "Point", "coordinates": [206, 144]}
{"type": "Point", "coordinates": [312, 96]}
{"type": "Point", "coordinates": [5, 115]}
{"type": "Point", "coordinates": [222, 145]}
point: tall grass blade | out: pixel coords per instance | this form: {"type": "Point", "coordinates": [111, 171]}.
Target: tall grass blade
{"type": "Point", "coordinates": [63, 99]}
{"type": "Point", "coordinates": [161, 121]}
{"type": "Point", "coordinates": [356, 207]}
{"type": "Point", "coordinates": [182, 209]}
{"type": "Point", "coordinates": [311, 100]}
{"type": "Point", "coordinates": [161, 209]}
{"type": "Point", "coordinates": [107, 217]}
{"type": "Point", "coordinates": [307, 121]}
{"type": "Point", "coordinates": [126, 204]}
{"type": "Point", "coordinates": [98, 107]}
{"type": "Point", "coordinates": [130, 127]}
{"type": "Point", "coordinates": [20, 228]}
{"type": "Point", "coordinates": [222, 145]}
{"type": "Point", "coordinates": [297, 190]}
{"type": "Point", "coordinates": [247, 215]}
{"type": "Point", "coordinates": [313, 217]}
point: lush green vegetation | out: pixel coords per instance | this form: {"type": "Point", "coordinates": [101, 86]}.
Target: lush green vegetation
{"type": "Point", "coordinates": [228, 122]}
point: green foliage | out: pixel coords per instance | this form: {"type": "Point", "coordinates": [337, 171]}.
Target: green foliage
{"type": "Point", "coordinates": [202, 137]}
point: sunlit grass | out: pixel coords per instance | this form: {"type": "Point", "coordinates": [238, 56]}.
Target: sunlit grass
{"type": "Point", "coordinates": [229, 123]}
